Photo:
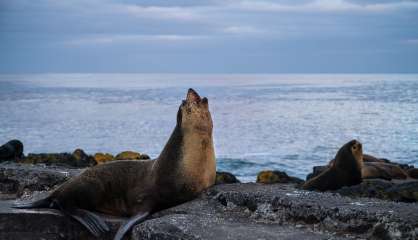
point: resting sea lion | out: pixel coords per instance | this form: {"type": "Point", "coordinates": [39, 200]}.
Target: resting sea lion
{"type": "Point", "coordinates": [11, 150]}
{"type": "Point", "coordinates": [344, 171]}
{"type": "Point", "coordinates": [382, 170]}
{"type": "Point", "coordinates": [185, 167]}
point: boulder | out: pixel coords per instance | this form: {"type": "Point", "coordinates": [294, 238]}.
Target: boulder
{"type": "Point", "coordinates": [11, 150]}
{"type": "Point", "coordinates": [239, 211]}
{"type": "Point", "coordinates": [130, 155]}
{"type": "Point", "coordinates": [279, 211]}
{"type": "Point", "coordinates": [103, 157]}
{"type": "Point", "coordinates": [225, 177]}
{"type": "Point", "coordinates": [400, 191]}
{"type": "Point", "coordinates": [413, 173]}
{"type": "Point", "coordinates": [17, 180]}
{"type": "Point", "coordinates": [270, 177]}
{"type": "Point", "coordinates": [45, 224]}
{"type": "Point", "coordinates": [76, 159]}
{"type": "Point", "coordinates": [144, 156]}
{"type": "Point", "coordinates": [82, 158]}
{"type": "Point", "coordinates": [316, 170]}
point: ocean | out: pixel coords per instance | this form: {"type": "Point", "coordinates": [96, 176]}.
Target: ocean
{"type": "Point", "coordinates": [261, 122]}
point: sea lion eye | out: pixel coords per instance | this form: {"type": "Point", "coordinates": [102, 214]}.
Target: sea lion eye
{"type": "Point", "coordinates": [354, 147]}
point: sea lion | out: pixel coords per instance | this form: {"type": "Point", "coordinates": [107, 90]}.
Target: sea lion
{"type": "Point", "coordinates": [11, 150]}
{"type": "Point", "coordinates": [344, 171]}
{"type": "Point", "coordinates": [185, 167]}
{"type": "Point", "coordinates": [382, 170]}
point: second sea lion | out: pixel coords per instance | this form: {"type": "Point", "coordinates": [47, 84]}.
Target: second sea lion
{"type": "Point", "coordinates": [344, 171]}
{"type": "Point", "coordinates": [382, 170]}
{"type": "Point", "coordinates": [136, 189]}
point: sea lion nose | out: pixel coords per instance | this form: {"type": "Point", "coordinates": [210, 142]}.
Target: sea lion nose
{"type": "Point", "coordinates": [192, 96]}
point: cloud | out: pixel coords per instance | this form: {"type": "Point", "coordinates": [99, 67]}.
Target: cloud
{"type": "Point", "coordinates": [157, 12]}
{"type": "Point", "coordinates": [242, 30]}
{"type": "Point", "coordinates": [323, 6]}
{"type": "Point", "coordinates": [411, 41]}
{"type": "Point", "coordinates": [132, 38]}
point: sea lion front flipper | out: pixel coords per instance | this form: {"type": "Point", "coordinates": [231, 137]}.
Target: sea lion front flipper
{"type": "Point", "coordinates": [140, 217]}
{"type": "Point", "coordinates": [91, 221]}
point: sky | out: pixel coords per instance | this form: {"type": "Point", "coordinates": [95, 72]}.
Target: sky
{"type": "Point", "coordinates": [209, 36]}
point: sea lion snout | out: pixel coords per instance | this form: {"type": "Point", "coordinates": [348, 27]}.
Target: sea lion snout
{"type": "Point", "coordinates": [356, 146]}
{"type": "Point", "coordinates": [192, 96]}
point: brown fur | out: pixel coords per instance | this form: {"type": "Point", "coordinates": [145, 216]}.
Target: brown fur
{"type": "Point", "coordinates": [185, 167]}
{"type": "Point", "coordinates": [382, 170]}
{"type": "Point", "coordinates": [345, 170]}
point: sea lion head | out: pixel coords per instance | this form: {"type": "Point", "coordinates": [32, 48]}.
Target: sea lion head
{"type": "Point", "coordinates": [350, 156]}
{"type": "Point", "coordinates": [194, 115]}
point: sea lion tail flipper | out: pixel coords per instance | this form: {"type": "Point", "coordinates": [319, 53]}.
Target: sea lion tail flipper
{"type": "Point", "coordinates": [140, 217]}
{"type": "Point", "coordinates": [91, 221]}
{"type": "Point", "coordinates": [42, 203]}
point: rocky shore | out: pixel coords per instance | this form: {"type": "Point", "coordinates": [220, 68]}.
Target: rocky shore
{"type": "Point", "coordinates": [383, 206]}
{"type": "Point", "coordinates": [274, 209]}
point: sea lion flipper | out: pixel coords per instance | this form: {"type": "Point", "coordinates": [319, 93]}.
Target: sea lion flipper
{"type": "Point", "coordinates": [90, 220]}
{"type": "Point", "coordinates": [140, 217]}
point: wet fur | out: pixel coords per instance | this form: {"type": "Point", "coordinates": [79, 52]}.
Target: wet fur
{"type": "Point", "coordinates": [344, 171]}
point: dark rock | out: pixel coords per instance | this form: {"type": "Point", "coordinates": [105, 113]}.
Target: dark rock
{"type": "Point", "coordinates": [401, 191]}
{"type": "Point", "coordinates": [276, 177]}
{"type": "Point", "coordinates": [413, 173]}
{"type": "Point", "coordinates": [83, 159]}
{"type": "Point", "coordinates": [239, 211]}
{"type": "Point", "coordinates": [225, 177]}
{"type": "Point", "coordinates": [45, 224]}
{"type": "Point", "coordinates": [21, 179]}
{"type": "Point", "coordinates": [316, 171]}
{"type": "Point", "coordinates": [144, 156]}
{"type": "Point", "coordinates": [11, 150]}
{"type": "Point", "coordinates": [279, 211]}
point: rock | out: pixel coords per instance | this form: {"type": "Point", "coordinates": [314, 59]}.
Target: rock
{"type": "Point", "coordinates": [78, 159]}
{"type": "Point", "coordinates": [45, 224]}
{"type": "Point", "coordinates": [103, 157]}
{"type": "Point", "coordinates": [225, 177]}
{"type": "Point", "coordinates": [401, 191]}
{"type": "Point", "coordinates": [17, 179]}
{"type": "Point", "coordinates": [316, 171]}
{"type": "Point", "coordinates": [413, 173]}
{"type": "Point", "coordinates": [239, 211]}
{"type": "Point", "coordinates": [128, 155]}
{"type": "Point", "coordinates": [279, 211]}
{"type": "Point", "coordinates": [82, 158]}
{"type": "Point", "coordinates": [144, 156]}
{"type": "Point", "coordinates": [11, 150]}
{"type": "Point", "coordinates": [276, 177]}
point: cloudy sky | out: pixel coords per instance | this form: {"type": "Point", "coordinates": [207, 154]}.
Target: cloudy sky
{"type": "Point", "coordinates": [210, 36]}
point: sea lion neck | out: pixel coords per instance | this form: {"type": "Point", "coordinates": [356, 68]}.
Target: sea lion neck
{"type": "Point", "coordinates": [189, 153]}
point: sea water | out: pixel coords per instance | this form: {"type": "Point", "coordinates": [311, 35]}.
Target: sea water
{"type": "Point", "coordinates": [261, 122]}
